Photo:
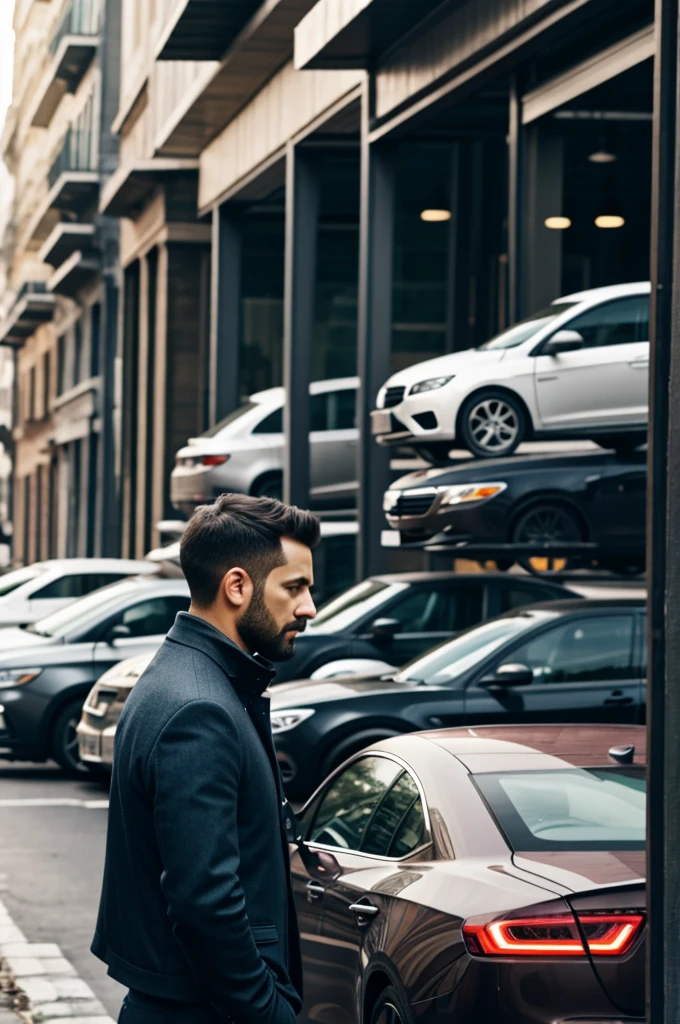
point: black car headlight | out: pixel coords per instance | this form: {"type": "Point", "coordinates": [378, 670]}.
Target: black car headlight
{"type": "Point", "coordinates": [284, 721]}
{"type": "Point", "coordinates": [462, 494]}
{"type": "Point", "coordinates": [11, 677]}
{"type": "Point", "coordinates": [431, 384]}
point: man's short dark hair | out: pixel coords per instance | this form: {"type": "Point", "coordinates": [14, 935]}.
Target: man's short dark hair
{"type": "Point", "coordinates": [238, 530]}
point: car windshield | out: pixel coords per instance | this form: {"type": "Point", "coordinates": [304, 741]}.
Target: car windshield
{"type": "Point", "coordinates": [453, 658]}
{"type": "Point", "coordinates": [11, 580]}
{"type": "Point", "coordinates": [80, 612]}
{"type": "Point", "coordinates": [231, 418]}
{"type": "Point", "coordinates": [525, 329]}
{"type": "Point", "coordinates": [342, 611]}
{"type": "Point", "coordinates": [576, 809]}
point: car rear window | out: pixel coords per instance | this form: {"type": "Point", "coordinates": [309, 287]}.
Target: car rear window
{"type": "Point", "coordinates": [574, 809]}
{"type": "Point", "coordinates": [11, 580]}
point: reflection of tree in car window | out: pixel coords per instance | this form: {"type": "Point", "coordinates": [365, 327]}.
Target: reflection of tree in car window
{"type": "Point", "coordinates": [348, 804]}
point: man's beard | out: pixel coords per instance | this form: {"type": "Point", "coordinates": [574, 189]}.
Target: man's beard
{"type": "Point", "coordinates": [261, 635]}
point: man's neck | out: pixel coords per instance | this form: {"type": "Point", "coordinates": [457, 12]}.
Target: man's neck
{"type": "Point", "coordinates": [226, 627]}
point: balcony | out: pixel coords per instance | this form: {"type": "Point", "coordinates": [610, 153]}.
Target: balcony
{"type": "Point", "coordinates": [72, 48]}
{"type": "Point", "coordinates": [32, 307]}
{"type": "Point", "coordinates": [356, 34]}
{"type": "Point", "coordinates": [73, 184]}
{"type": "Point", "coordinates": [204, 29]}
{"type": "Point", "coordinates": [133, 184]}
{"type": "Point", "coordinates": [64, 240]}
{"type": "Point", "coordinates": [74, 273]}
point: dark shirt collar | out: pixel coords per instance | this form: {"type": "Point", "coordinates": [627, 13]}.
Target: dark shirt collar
{"type": "Point", "coordinates": [252, 672]}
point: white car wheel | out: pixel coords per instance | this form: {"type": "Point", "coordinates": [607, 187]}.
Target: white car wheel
{"type": "Point", "coordinates": [492, 424]}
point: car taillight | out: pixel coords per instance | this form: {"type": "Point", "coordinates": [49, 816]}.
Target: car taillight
{"type": "Point", "coordinates": [555, 935]}
{"type": "Point", "coordinates": [214, 460]}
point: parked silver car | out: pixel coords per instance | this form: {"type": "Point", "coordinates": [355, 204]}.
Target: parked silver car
{"type": "Point", "coordinates": [245, 451]}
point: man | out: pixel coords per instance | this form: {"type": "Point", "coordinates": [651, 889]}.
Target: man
{"type": "Point", "coordinates": [197, 916]}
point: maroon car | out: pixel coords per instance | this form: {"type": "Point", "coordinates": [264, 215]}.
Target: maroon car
{"type": "Point", "coordinates": [468, 875]}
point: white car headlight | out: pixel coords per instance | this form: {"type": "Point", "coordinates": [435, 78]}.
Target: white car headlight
{"type": "Point", "coordinates": [464, 493]}
{"type": "Point", "coordinates": [432, 384]}
{"type": "Point", "coordinates": [11, 677]}
{"type": "Point", "coordinates": [284, 721]}
{"type": "Point", "coordinates": [390, 498]}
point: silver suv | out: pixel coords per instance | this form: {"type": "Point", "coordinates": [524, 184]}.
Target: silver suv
{"type": "Point", "coordinates": [245, 451]}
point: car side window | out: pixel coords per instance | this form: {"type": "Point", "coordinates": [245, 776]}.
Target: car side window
{"type": "Point", "coordinates": [581, 650]}
{"type": "Point", "coordinates": [517, 596]}
{"type": "Point", "coordinates": [437, 609]}
{"type": "Point", "coordinates": [65, 587]}
{"type": "Point", "coordinates": [155, 616]}
{"type": "Point", "coordinates": [349, 802]}
{"type": "Point", "coordinates": [333, 410]}
{"type": "Point", "coordinates": [272, 424]}
{"type": "Point", "coordinates": [620, 322]}
{"type": "Point", "coordinates": [397, 826]}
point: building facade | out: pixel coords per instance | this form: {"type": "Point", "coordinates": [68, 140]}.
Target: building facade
{"type": "Point", "coordinates": [61, 269]}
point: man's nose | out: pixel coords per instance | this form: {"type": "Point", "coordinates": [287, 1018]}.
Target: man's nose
{"type": "Point", "coordinates": [306, 610]}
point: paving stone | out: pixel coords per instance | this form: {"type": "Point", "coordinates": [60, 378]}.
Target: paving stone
{"type": "Point", "coordinates": [25, 967]}
{"type": "Point", "coordinates": [10, 933]}
{"type": "Point", "coordinates": [40, 950]}
{"type": "Point", "coordinates": [72, 988]}
{"type": "Point", "coordinates": [40, 990]}
{"type": "Point", "coordinates": [66, 1008]}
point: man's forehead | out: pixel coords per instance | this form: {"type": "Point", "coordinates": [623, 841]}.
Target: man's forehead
{"type": "Point", "coordinates": [298, 560]}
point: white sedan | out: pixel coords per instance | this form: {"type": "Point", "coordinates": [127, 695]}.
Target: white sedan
{"type": "Point", "coordinates": [37, 590]}
{"type": "Point", "coordinates": [576, 369]}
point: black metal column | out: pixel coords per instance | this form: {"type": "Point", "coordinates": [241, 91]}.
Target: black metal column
{"type": "Point", "coordinates": [515, 202]}
{"type": "Point", "coordinates": [376, 238]}
{"type": "Point", "coordinates": [663, 541]}
{"type": "Point", "coordinates": [225, 314]}
{"type": "Point", "coordinates": [302, 219]}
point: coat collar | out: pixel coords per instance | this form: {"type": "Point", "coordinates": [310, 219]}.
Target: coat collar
{"type": "Point", "coordinates": [252, 672]}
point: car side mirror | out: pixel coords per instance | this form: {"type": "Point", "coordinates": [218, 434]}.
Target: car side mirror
{"type": "Point", "coordinates": [563, 341]}
{"type": "Point", "coordinates": [320, 864]}
{"type": "Point", "coordinates": [119, 632]}
{"type": "Point", "coordinates": [385, 629]}
{"type": "Point", "coordinates": [509, 675]}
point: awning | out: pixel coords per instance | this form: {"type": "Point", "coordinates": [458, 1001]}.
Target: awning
{"type": "Point", "coordinates": [204, 29]}
{"type": "Point", "coordinates": [131, 186]}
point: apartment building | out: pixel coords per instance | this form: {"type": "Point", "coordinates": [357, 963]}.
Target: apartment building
{"type": "Point", "coordinates": [61, 267]}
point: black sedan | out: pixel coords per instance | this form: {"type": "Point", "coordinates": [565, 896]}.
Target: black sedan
{"type": "Point", "coordinates": [567, 661]}
{"type": "Point", "coordinates": [493, 874]}
{"type": "Point", "coordinates": [595, 498]}
{"type": "Point", "coordinates": [387, 620]}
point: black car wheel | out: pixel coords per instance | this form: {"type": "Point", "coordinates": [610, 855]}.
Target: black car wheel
{"type": "Point", "coordinates": [269, 486]}
{"type": "Point", "coordinates": [64, 742]}
{"type": "Point", "coordinates": [548, 522]}
{"type": "Point", "coordinates": [391, 1008]}
{"type": "Point", "coordinates": [492, 424]}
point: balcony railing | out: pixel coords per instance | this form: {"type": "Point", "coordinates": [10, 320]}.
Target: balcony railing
{"type": "Point", "coordinates": [76, 154]}
{"type": "Point", "coordinates": [80, 18]}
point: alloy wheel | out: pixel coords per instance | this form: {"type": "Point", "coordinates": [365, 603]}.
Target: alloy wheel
{"type": "Point", "coordinates": [547, 524]}
{"type": "Point", "coordinates": [70, 746]}
{"type": "Point", "coordinates": [494, 425]}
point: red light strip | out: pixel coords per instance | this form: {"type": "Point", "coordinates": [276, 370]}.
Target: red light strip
{"type": "Point", "coordinates": [495, 939]}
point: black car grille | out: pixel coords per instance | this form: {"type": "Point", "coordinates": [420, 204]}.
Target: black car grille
{"type": "Point", "coordinates": [413, 504]}
{"type": "Point", "coordinates": [393, 396]}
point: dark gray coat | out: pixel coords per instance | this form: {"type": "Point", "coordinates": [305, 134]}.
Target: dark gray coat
{"type": "Point", "coordinates": [197, 902]}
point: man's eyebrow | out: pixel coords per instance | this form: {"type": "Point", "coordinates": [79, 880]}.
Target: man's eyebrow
{"type": "Point", "coordinates": [300, 580]}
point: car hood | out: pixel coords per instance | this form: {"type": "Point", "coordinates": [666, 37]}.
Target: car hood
{"type": "Point", "coordinates": [449, 365]}
{"type": "Point", "coordinates": [501, 469]}
{"type": "Point", "coordinates": [18, 647]}
{"type": "Point", "coordinates": [581, 870]}
{"type": "Point", "coordinates": [320, 691]}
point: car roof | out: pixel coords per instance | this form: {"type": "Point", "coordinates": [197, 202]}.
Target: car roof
{"type": "Point", "coordinates": [428, 577]}
{"type": "Point", "coordinates": [316, 387]}
{"type": "Point", "coordinates": [584, 604]}
{"type": "Point", "coordinates": [579, 745]}
{"type": "Point", "coordinates": [613, 291]}
{"type": "Point", "coordinates": [72, 565]}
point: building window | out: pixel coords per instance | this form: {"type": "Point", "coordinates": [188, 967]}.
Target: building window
{"type": "Point", "coordinates": [61, 363]}
{"type": "Point", "coordinates": [46, 383]}
{"type": "Point", "coordinates": [77, 352]}
{"type": "Point", "coordinates": [95, 337]}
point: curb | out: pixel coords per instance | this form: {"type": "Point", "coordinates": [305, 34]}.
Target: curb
{"type": "Point", "coordinates": [44, 985]}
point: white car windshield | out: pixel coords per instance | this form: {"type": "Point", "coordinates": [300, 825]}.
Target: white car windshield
{"type": "Point", "coordinates": [11, 580]}
{"type": "Point", "coordinates": [525, 329]}
{"type": "Point", "coordinates": [80, 612]}
{"type": "Point", "coordinates": [344, 610]}
{"type": "Point", "coordinates": [453, 658]}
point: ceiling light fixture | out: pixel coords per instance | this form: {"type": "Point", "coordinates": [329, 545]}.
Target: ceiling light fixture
{"type": "Point", "coordinates": [435, 215]}
{"type": "Point", "coordinates": [557, 223]}
{"type": "Point", "coordinates": [602, 156]}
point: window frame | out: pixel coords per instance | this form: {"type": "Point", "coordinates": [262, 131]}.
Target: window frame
{"type": "Point", "coordinates": [567, 324]}
{"type": "Point", "coordinates": [508, 652]}
{"type": "Point", "coordinates": [438, 587]}
{"type": "Point", "coordinates": [317, 801]}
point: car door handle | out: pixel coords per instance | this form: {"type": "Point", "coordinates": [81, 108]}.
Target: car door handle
{"type": "Point", "coordinates": [365, 912]}
{"type": "Point", "coordinates": [618, 697]}
{"type": "Point", "coordinates": [315, 892]}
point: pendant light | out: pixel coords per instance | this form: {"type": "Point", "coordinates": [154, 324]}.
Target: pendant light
{"type": "Point", "coordinates": [438, 209]}
{"type": "Point", "coordinates": [557, 223]}
{"type": "Point", "coordinates": [610, 214]}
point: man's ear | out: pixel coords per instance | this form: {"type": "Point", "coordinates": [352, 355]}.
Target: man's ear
{"type": "Point", "coordinates": [237, 587]}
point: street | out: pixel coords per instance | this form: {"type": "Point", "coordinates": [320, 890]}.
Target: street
{"type": "Point", "coordinates": [52, 854]}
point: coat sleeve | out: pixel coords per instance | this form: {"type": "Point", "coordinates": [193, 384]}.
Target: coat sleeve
{"type": "Point", "coordinates": [195, 770]}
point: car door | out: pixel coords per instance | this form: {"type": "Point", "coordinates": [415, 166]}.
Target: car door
{"type": "Point", "coordinates": [370, 817]}
{"type": "Point", "coordinates": [428, 614]}
{"type": "Point", "coordinates": [604, 383]}
{"type": "Point", "coordinates": [333, 443]}
{"type": "Point", "coordinates": [148, 622]}
{"type": "Point", "coordinates": [619, 508]}
{"type": "Point", "coordinates": [585, 669]}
